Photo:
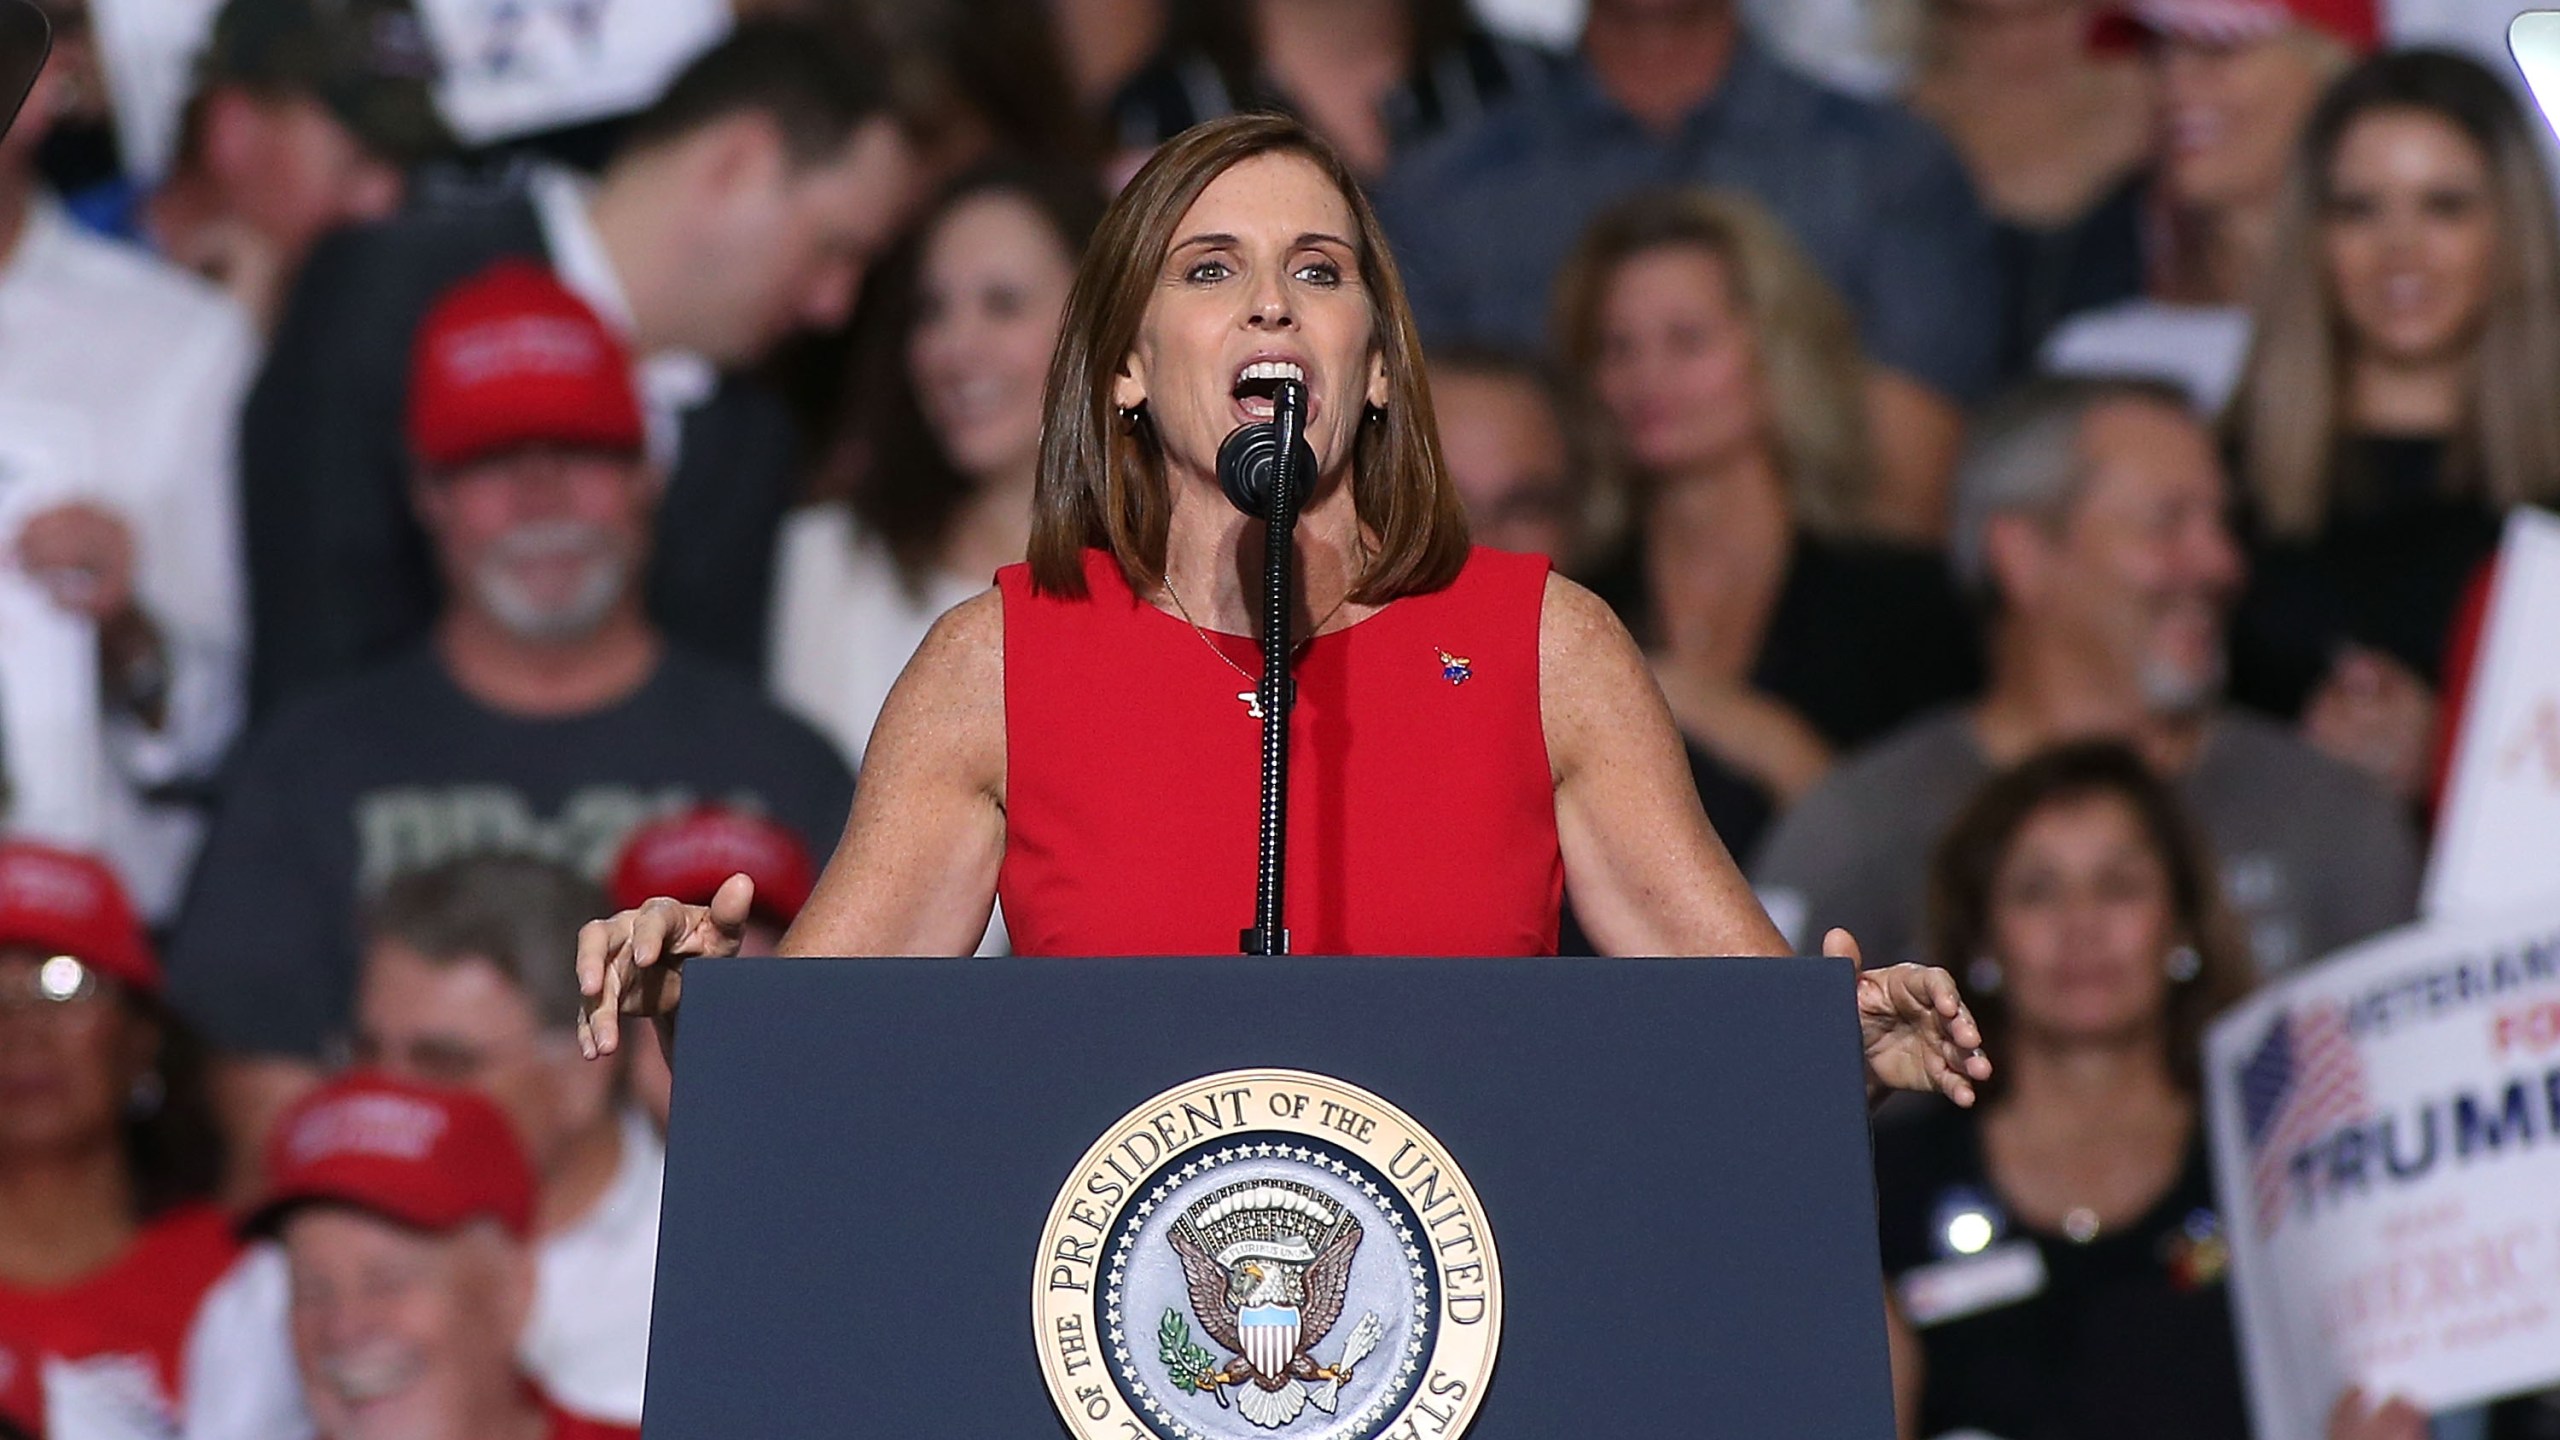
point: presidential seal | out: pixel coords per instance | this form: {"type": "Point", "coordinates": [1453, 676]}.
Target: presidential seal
{"type": "Point", "coordinates": [1267, 1255]}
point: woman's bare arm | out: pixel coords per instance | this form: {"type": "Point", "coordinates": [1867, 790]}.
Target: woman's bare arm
{"type": "Point", "coordinates": [916, 871]}
{"type": "Point", "coordinates": [1647, 874]}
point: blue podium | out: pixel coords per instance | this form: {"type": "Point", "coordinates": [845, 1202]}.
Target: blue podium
{"type": "Point", "coordinates": [1301, 1198]}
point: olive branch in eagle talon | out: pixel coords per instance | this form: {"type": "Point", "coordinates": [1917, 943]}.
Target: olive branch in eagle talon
{"type": "Point", "coordinates": [1188, 1364]}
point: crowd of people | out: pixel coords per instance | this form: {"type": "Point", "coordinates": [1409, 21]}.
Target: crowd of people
{"type": "Point", "coordinates": [2049, 485]}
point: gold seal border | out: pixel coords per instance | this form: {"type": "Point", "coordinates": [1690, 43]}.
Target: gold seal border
{"type": "Point", "coordinates": [1076, 1364]}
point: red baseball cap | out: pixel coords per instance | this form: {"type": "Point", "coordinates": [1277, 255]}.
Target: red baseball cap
{"type": "Point", "coordinates": [67, 903]}
{"type": "Point", "coordinates": [429, 1158]}
{"type": "Point", "coordinates": [510, 358]}
{"type": "Point", "coordinates": [688, 855]}
{"type": "Point", "coordinates": [2235, 22]}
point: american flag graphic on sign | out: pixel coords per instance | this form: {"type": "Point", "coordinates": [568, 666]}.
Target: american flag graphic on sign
{"type": "Point", "coordinates": [2302, 1082]}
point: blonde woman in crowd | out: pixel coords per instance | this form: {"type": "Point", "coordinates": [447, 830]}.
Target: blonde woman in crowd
{"type": "Point", "coordinates": [1723, 377]}
{"type": "Point", "coordinates": [2397, 401]}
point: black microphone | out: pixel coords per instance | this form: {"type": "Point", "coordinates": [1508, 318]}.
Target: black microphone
{"type": "Point", "coordinates": [1251, 456]}
{"type": "Point", "coordinates": [1266, 469]}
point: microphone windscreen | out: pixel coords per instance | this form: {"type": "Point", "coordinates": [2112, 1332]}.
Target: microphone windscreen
{"type": "Point", "coordinates": [1251, 455]}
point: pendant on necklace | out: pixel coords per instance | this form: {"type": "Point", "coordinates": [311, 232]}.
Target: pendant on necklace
{"type": "Point", "coordinates": [1252, 699]}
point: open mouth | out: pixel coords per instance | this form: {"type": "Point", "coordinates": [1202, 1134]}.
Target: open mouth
{"type": "Point", "coordinates": [1257, 387]}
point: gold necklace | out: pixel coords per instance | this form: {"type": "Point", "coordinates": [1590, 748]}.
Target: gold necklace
{"type": "Point", "coordinates": [1252, 695]}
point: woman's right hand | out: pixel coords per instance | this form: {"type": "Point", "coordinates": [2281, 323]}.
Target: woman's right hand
{"type": "Point", "coordinates": [633, 963]}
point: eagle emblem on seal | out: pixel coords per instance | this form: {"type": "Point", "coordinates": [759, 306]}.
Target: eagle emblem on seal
{"type": "Point", "coordinates": [1267, 1264]}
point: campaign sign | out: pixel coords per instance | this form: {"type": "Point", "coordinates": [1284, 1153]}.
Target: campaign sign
{"type": "Point", "coordinates": [2502, 799]}
{"type": "Point", "coordinates": [2386, 1143]}
{"type": "Point", "coordinates": [148, 50]}
{"type": "Point", "coordinates": [514, 67]}
{"type": "Point", "coordinates": [2534, 39]}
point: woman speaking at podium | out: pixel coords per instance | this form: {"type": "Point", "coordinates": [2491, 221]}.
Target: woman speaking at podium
{"type": "Point", "coordinates": [1470, 735]}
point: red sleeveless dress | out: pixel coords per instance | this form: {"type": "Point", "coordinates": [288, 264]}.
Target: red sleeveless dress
{"type": "Point", "coordinates": [1422, 813]}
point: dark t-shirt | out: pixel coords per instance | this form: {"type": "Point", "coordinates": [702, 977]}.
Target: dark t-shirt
{"type": "Point", "coordinates": [2387, 572]}
{"type": "Point", "coordinates": [396, 768]}
{"type": "Point", "coordinates": [1864, 635]}
{"type": "Point", "coordinates": [2528, 1417]}
{"type": "Point", "coordinates": [2091, 260]}
{"type": "Point", "coordinates": [2031, 1336]}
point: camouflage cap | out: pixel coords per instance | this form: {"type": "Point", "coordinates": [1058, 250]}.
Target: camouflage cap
{"type": "Point", "coordinates": [369, 61]}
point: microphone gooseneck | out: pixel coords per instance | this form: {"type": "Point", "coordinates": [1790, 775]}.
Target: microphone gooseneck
{"type": "Point", "coordinates": [1265, 470]}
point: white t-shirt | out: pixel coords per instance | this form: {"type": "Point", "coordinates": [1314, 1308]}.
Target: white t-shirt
{"type": "Point", "coordinates": [588, 1342]}
{"type": "Point", "coordinates": [2201, 347]}
{"type": "Point", "coordinates": [528, 66]}
{"type": "Point", "coordinates": [121, 379]}
{"type": "Point", "coordinates": [844, 627]}
{"type": "Point", "coordinates": [586, 1346]}
{"type": "Point", "coordinates": [845, 624]}
{"type": "Point", "coordinates": [241, 1383]}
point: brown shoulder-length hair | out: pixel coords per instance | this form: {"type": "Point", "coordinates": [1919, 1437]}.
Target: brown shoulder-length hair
{"type": "Point", "coordinates": [173, 1147]}
{"type": "Point", "coordinates": [1102, 481]}
{"type": "Point", "coordinates": [1812, 370]}
{"type": "Point", "coordinates": [906, 491]}
{"type": "Point", "coordinates": [1966, 868]}
{"type": "Point", "coordinates": [2290, 415]}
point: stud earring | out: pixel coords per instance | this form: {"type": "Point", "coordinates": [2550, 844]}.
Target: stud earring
{"type": "Point", "coordinates": [1983, 975]}
{"type": "Point", "coordinates": [2182, 964]}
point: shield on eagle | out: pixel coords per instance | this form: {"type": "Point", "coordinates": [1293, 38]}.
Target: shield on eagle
{"type": "Point", "coordinates": [1270, 1336]}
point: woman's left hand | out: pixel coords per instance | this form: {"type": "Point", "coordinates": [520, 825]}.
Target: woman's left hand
{"type": "Point", "coordinates": [1915, 1028]}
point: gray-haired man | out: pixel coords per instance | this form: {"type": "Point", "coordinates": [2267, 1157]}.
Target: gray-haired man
{"type": "Point", "coordinates": [2090, 520]}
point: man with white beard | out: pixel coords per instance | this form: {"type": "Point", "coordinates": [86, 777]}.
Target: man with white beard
{"type": "Point", "coordinates": [2091, 522]}
{"type": "Point", "coordinates": [546, 715]}
{"type": "Point", "coordinates": [404, 1214]}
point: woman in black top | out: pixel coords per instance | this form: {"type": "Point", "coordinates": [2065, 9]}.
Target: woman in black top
{"type": "Point", "coordinates": [2397, 401]}
{"type": "Point", "coordinates": [1723, 378]}
{"type": "Point", "coordinates": [2055, 1256]}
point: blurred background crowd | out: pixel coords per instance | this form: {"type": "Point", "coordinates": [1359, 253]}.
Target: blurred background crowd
{"type": "Point", "coordinates": [468, 464]}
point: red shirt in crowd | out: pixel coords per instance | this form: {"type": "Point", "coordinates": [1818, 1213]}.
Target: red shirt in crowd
{"type": "Point", "coordinates": [125, 1325]}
